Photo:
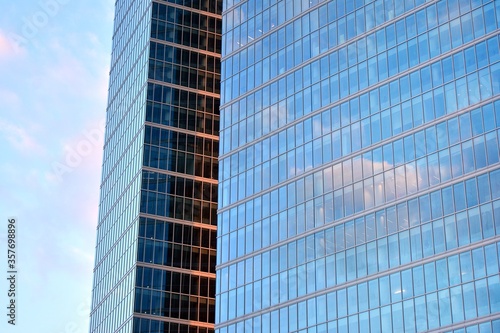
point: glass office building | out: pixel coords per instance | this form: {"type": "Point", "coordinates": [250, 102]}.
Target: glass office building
{"type": "Point", "coordinates": [359, 167]}
{"type": "Point", "coordinates": [156, 235]}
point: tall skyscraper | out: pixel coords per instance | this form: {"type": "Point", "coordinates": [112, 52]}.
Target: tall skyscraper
{"type": "Point", "coordinates": [156, 236]}
{"type": "Point", "coordinates": [360, 174]}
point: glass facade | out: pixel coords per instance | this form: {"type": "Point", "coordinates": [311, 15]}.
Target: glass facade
{"type": "Point", "coordinates": [359, 171]}
{"type": "Point", "coordinates": [156, 236]}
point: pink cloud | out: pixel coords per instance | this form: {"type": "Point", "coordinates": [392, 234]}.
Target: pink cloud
{"type": "Point", "coordinates": [8, 48]}
{"type": "Point", "coordinates": [5, 46]}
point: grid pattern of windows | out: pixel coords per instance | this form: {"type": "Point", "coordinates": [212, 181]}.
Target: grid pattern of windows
{"type": "Point", "coordinates": [363, 182]}
{"type": "Point", "coordinates": [380, 113]}
{"type": "Point", "coordinates": [359, 166]}
{"type": "Point", "coordinates": [420, 228]}
{"type": "Point", "coordinates": [173, 232]}
{"type": "Point", "coordinates": [116, 244]}
{"type": "Point", "coordinates": [185, 27]}
{"type": "Point", "coordinates": [181, 141]}
{"type": "Point", "coordinates": [420, 298]}
{"type": "Point", "coordinates": [183, 109]}
{"type": "Point", "coordinates": [176, 245]}
{"type": "Point", "coordinates": [176, 295]}
{"type": "Point", "coordinates": [162, 280]}
{"type": "Point", "coordinates": [407, 42]}
{"type": "Point", "coordinates": [155, 254]}
{"type": "Point", "coordinates": [176, 242]}
{"type": "Point", "coordinates": [178, 198]}
{"type": "Point", "coordinates": [164, 66]}
{"type": "Point", "coordinates": [435, 86]}
{"type": "Point", "coordinates": [180, 152]}
{"type": "Point", "coordinates": [180, 181]}
{"type": "Point", "coordinates": [154, 326]}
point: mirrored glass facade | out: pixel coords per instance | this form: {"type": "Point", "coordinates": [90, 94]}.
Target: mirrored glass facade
{"type": "Point", "coordinates": [359, 186]}
{"type": "Point", "coordinates": [156, 235]}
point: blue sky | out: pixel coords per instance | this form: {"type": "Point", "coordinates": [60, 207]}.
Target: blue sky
{"type": "Point", "coordinates": [54, 64]}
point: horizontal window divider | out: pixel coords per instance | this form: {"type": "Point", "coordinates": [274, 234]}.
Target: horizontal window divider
{"type": "Point", "coordinates": [183, 222]}
{"type": "Point", "coordinates": [175, 269]}
{"type": "Point", "coordinates": [185, 131]}
{"type": "Point", "coordinates": [174, 320]}
{"type": "Point", "coordinates": [191, 9]}
{"type": "Point", "coordinates": [176, 86]}
{"type": "Point", "coordinates": [184, 47]}
{"type": "Point", "coordinates": [182, 175]}
{"type": "Point", "coordinates": [468, 323]}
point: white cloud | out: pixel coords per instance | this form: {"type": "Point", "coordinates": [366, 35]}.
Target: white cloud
{"type": "Point", "coordinates": [19, 138]}
{"type": "Point", "coordinates": [10, 100]}
{"type": "Point", "coordinates": [84, 256]}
